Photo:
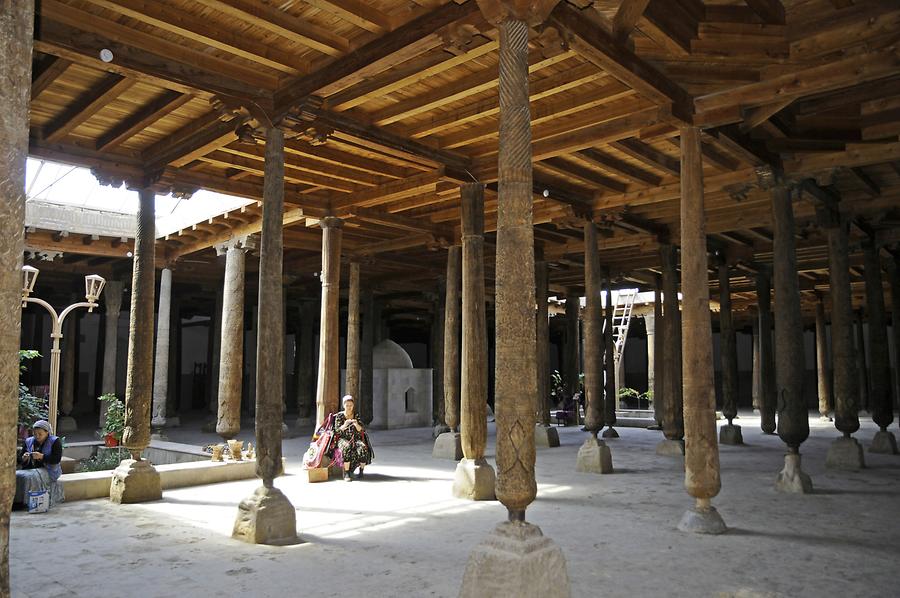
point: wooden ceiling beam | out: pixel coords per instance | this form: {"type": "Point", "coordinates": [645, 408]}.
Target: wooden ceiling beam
{"type": "Point", "coordinates": [757, 116]}
{"type": "Point", "coordinates": [46, 72]}
{"type": "Point", "coordinates": [345, 159]}
{"type": "Point", "coordinates": [589, 39]}
{"type": "Point", "coordinates": [858, 154]}
{"type": "Point", "coordinates": [626, 17]}
{"type": "Point", "coordinates": [649, 155]}
{"type": "Point", "coordinates": [290, 216]}
{"type": "Point", "coordinates": [85, 106]}
{"type": "Point", "coordinates": [347, 179]}
{"type": "Point", "coordinates": [165, 103]}
{"type": "Point", "coordinates": [863, 180]}
{"type": "Point", "coordinates": [397, 221]}
{"type": "Point", "coordinates": [619, 167]}
{"type": "Point", "coordinates": [570, 170]}
{"type": "Point", "coordinates": [770, 11]}
{"type": "Point", "coordinates": [357, 12]}
{"type": "Point", "coordinates": [256, 166]}
{"type": "Point", "coordinates": [388, 192]}
{"type": "Point", "coordinates": [187, 140]}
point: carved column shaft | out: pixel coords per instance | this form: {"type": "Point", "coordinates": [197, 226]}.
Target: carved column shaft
{"type": "Point", "coordinates": [451, 339]}
{"type": "Point", "coordinates": [793, 419]}
{"type": "Point", "coordinates": [366, 357]}
{"type": "Point", "coordinates": [215, 350]}
{"type": "Point", "coordinates": [593, 333]}
{"type": "Point", "coordinates": [571, 368]}
{"type": "Point", "coordinates": [728, 347]}
{"type": "Point", "coordinates": [231, 347]}
{"type": "Point", "coordinates": [895, 323]}
{"type": "Point", "coordinates": [861, 366]}
{"type": "Point", "coordinates": [437, 357]}
{"type": "Point", "coordinates": [328, 382]}
{"type": "Point", "coordinates": [609, 359]}
{"type": "Point", "coordinates": [822, 373]}
{"type": "Point", "coordinates": [270, 340]}
{"type": "Point", "coordinates": [542, 330]}
{"type": "Point", "coordinates": [112, 300]}
{"type": "Point", "coordinates": [659, 349]}
{"type": "Point", "coordinates": [139, 376]}
{"type": "Point", "coordinates": [70, 348]}
{"type": "Point", "coordinates": [754, 384]}
{"type": "Point", "coordinates": [880, 403]}
{"type": "Point", "coordinates": [767, 395]}
{"type": "Point", "coordinates": [474, 379]}
{"type": "Point", "coordinates": [673, 413]}
{"type": "Point", "coordinates": [701, 462]}
{"type": "Point", "coordinates": [516, 363]}
{"type": "Point", "coordinates": [352, 368]}
{"type": "Point", "coordinates": [161, 369]}
{"type": "Point", "coordinates": [305, 352]}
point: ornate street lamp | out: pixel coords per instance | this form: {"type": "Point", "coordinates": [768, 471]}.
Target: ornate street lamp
{"type": "Point", "coordinates": [93, 286]}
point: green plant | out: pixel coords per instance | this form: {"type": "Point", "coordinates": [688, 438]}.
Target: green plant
{"type": "Point", "coordinates": [31, 408]}
{"type": "Point", "coordinates": [102, 461]}
{"type": "Point", "coordinates": [557, 385]}
{"type": "Point", "coordinates": [628, 393]}
{"type": "Point", "coordinates": [115, 416]}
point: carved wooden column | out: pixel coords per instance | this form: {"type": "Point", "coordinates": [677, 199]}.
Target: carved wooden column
{"type": "Point", "coordinates": [729, 433]}
{"type": "Point", "coordinates": [267, 516]}
{"type": "Point", "coordinates": [328, 386]}
{"type": "Point", "coordinates": [161, 368]}
{"type": "Point", "coordinates": [767, 396]}
{"type": "Point", "coordinates": [351, 385]}
{"type": "Point", "coordinates": [659, 349]}
{"type": "Point", "coordinates": [16, 39]}
{"type": "Point", "coordinates": [895, 322]}
{"type": "Point", "coordinates": [112, 302]}
{"type": "Point", "coordinates": [570, 366]}
{"type": "Point", "coordinates": [594, 455]}
{"type": "Point", "coordinates": [366, 357]}
{"type": "Point", "coordinates": [474, 478]}
{"type": "Point", "coordinates": [515, 547]}
{"type": "Point", "coordinates": [135, 479]}
{"type": "Point", "coordinates": [701, 454]}
{"type": "Point", "coordinates": [671, 404]}
{"type": "Point", "coordinates": [793, 418]}
{"type": "Point", "coordinates": [66, 423]}
{"type": "Point", "coordinates": [610, 389]}
{"type": "Point", "coordinates": [437, 361]}
{"type": "Point", "coordinates": [861, 366]}
{"type": "Point", "coordinates": [823, 375]}
{"type": "Point", "coordinates": [231, 347]}
{"type": "Point", "coordinates": [880, 402]}
{"type": "Point", "coordinates": [754, 375]}
{"type": "Point", "coordinates": [215, 354]}
{"type": "Point", "coordinates": [305, 355]}
{"type": "Point", "coordinates": [845, 452]}
{"type": "Point", "coordinates": [449, 444]}
{"type": "Point", "coordinates": [545, 435]}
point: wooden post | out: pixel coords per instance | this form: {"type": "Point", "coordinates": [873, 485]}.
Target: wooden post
{"type": "Point", "coordinates": [609, 363]}
{"type": "Point", "coordinates": [571, 368]}
{"type": "Point", "coordinates": [231, 348]}
{"type": "Point", "coordinates": [437, 357]}
{"type": "Point", "coordinates": [880, 401]}
{"type": "Point", "coordinates": [659, 359]}
{"type": "Point", "coordinates": [701, 462]}
{"type": "Point", "coordinates": [451, 339]}
{"type": "Point", "coordinates": [730, 433]}
{"type": "Point", "coordinates": [861, 367]}
{"type": "Point", "coordinates": [163, 336]}
{"type": "Point", "coordinates": [366, 356]}
{"type": "Point", "coordinates": [545, 435]}
{"type": "Point", "coordinates": [352, 368]}
{"type": "Point", "coordinates": [672, 405]}
{"type": "Point", "coordinates": [822, 370]}
{"type": "Point", "coordinates": [328, 384]}
{"type": "Point", "coordinates": [766, 354]}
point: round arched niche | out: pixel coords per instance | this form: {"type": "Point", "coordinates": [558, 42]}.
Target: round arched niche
{"type": "Point", "coordinates": [388, 355]}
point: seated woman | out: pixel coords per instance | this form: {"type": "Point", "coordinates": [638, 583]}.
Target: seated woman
{"type": "Point", "coordinates": [39, 463]}
{"type": "Point", "coordinates": [352, 439]}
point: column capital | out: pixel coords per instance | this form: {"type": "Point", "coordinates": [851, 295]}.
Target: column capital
{"type": "Point", "coordinates": [533, 12]}
{"type": "Point", "coordinates": [331, 222]}
{"type": "Point", "coordinates": [245, 242]}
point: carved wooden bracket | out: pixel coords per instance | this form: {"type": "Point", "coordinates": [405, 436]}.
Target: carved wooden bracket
{"type": "Point", "coordinates": [533, 12]}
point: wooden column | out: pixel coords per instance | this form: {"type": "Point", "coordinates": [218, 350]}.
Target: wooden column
{"type": "Point", "coordinates": [66, 422]}
{"type": "Point", "coordinates": [730, 433]}
{"type": "Point", "coordinates": [542, 332]}
{"type": "Point", "coordinates": [451, 339]}
{"type": "Point", "coordinates": [701, 460]}
{"type": "Point", "coordinates": [366, 357]}
{"type": "Point", "coordinates": [351, 386]}
{"type": "Point", "coordinates": [823, 376]}
{"type": "Point", "coordinates": [231, 346]}
{"type": "Point", "coordinates": [328, 385]}
{"type": "Point", "coordinates": [609, 363]}
{"type": "Point", "coordinates": [16, 21]}
{"type": "Point", "coordinates": [793, 419]}
{"type": "Point", "coordinates": [571, 368]}
{"type": "Point", "coordinates": [845, 452]}
{"type": "Point", "coordinates": [437, 358]}
{"type": "Point", "coordinates": [161, 369]}
{"type": "Point", "coordinates": [215, 350]}
{"type": "Point", "coordinates": [112, 302]}
{"type": "Point", "coordinates": [880, 401]}
{"type": "Point", "coordinates": [895, 323]}
{"type": "Point", "coordinates": [593, 334]}
{"type": "Point", "coordinates": [135, 480]}
{"type": "Point", "coordinates": [305, 351]}
{"type": "Point", "coordinates": [862, 369]}
{"type": "Point", "coordinates": [672, 406]}
{"type": "Point", "coordinates": [473, 389]}
{"type": "Point", "coordinates": [767, 394]}
{"type": "Point", "coordinates": [754, 375]}
{"type": "Point", "coordinates": [267, 516]}
{"type": "Point", "coordinates": [659, 353]}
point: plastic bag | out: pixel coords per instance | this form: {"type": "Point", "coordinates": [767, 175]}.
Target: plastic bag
{"type": "Point", "coordinates": [38, 501]}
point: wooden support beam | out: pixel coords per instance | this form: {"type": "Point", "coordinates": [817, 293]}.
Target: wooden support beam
{"type": "Point", "coordinates": [614, 130]}
{"type": "Point", "coordinates": [357, 12]}
{"type": "Point", "coordinates": [188, 140]}
{"type": "Point", "coordinates": [46, 73]}
{"type": "Point", "coordinates": [770, 11]}
{"type": "Point", "coordinates": [627, 17]}
{"type": "Point", "coordinates": [619, 167]}
{"type": "Point", "coordinates": [398, 221]}
{"type": "Point", "coordinates": [649, 155]}
{"type": "Point", "coordinates": [251, 228]}
{"type": "Point", "coordinates": [863, 154]}
{"type": "Point", "coordinates": [589, 39]}
{"type": "Point", "coordinates": [145, 116]}
{"type": "Point", "coordinates": [861, 179]}
{"type": "Point", "coordinates": [756, 116]}
{"type": "Point", "coordinates": [86, 106]}
{"type": "Point", "coordinates": [586, 175]}
{"type": "Point", "coordinates": [407, 242]}
{"type": "Point", "coordinates": [388, 192]}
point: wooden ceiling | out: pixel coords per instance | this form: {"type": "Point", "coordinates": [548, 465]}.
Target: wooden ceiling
{"type": "Point", "coordinates": [395, 103]}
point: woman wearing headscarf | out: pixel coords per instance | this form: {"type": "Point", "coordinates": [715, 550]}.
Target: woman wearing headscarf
{"type": "Point", "coordinates": [352, 440]}
{"type": "Point", "coordinates": [39, 464]}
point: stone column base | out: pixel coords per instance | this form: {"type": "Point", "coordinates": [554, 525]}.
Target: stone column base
{"type": "Point", "coordinates": [65, 424]}
{"type": "Point", "coordinates": [474, 479]}
{"type": "Point", "coordinates": [594, 457]}
{"type": "Point", "coordinates": [670, 448]}
{"type": "Point", "coordinates": [792, 479]}
{"type": "Point", "coordinates": [610, 432]}
{"type": "Point", "coordinates": [846, 454]}
{"type": "Point", "coordinates": [266, 517]}
{"type": "Point", "coordinates": [447, 446]}
{"type": "Point", "coordinates": [730, 434]}
{"type": "Point", "coordinates": [545, 436]}
{"type": "Point", "coordinates": [884, 442]}
{"type": "Point", "coordinates": [702, 520]}
{"type": "Point", "coordinates": [134, 481]}
{"type": "Point", "coordinates": [516, 559]}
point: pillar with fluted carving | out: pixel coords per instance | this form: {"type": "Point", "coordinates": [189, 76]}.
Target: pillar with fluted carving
{"type": "Point", "coordinates": [161, 368]}
{"type": "Point", "coordinates": [231, 346]}
{"type": "Point", "coordinates": [351, 386]}
{"type": "Point", "coordinates": [328, 386]}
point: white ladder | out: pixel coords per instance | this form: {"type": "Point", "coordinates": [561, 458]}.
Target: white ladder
{"type": "Point", "coordinates": [621, 321]}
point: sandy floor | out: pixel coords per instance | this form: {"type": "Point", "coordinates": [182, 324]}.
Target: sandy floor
{"type": "Point", "coordinates": [399, 533]}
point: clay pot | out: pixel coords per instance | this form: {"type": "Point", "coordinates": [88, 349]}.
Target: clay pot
{"type": "Point", "coordinates": [110, 440]}
{"type": "Point", "coordinates": [235, 447]}
{"type": "Point", "coordinates": [217, 450]}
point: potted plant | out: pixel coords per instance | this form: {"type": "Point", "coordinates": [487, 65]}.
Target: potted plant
{"type": "Point", "coordinates": [114, 424]}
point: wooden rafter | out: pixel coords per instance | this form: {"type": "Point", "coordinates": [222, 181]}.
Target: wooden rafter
{"type": "Point", "coordinates": [145, 116]}
{"type": "Point", "coordinates": [46, 73]}
{"type": "Point", "coordinates": [86, 106]}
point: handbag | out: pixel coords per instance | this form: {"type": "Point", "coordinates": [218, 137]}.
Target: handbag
{"type": "Point", "coordinates": [321, 445]}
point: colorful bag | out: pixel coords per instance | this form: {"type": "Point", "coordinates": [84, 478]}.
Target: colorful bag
{"type": "Point", "coordinates": [38, 501]}
{"type": "Point", "coordinates": [337, 459]}
{"type": "Point", "coordinates": [322, 444]}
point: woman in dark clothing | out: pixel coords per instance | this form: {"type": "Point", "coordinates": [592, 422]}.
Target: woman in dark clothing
{"type": "Point", "coordinates": [352, 439]}
{"type": "Point", "coordinates": [39, 463]}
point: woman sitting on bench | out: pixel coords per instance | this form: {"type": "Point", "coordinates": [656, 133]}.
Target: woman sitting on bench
{"type": "Point", "coordinates": [39, 462]}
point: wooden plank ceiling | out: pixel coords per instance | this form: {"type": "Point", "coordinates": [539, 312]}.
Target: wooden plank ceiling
{"type": "Point", "coordinates": [398, 105]}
